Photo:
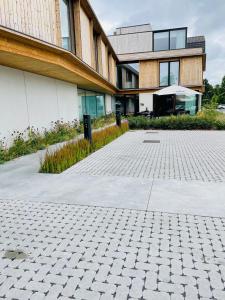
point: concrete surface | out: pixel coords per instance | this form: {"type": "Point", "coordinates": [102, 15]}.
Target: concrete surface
{"type": "Point", "coordinates": [132, 221]}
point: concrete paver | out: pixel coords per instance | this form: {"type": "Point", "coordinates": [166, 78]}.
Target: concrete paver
{"type": "Point", "coordinates": [73, 251]}
{"type": "Point", "coordinates": [132, 221]}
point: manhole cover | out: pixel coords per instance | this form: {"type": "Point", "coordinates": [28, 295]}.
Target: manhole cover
{"type": "Point", "coordinates": [150, 132]}
{"type": "Point", "coordinates": [15, 254]}
{"type": "Point", "coordinates": [151, 142]}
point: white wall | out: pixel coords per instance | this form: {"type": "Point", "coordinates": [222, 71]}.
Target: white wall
{"type": "Point", "coordinates": [146, 100]}
{"type": "Point", "coordinates": [28, 99]}
{"type": "Point", "coordinates": [108, 104]}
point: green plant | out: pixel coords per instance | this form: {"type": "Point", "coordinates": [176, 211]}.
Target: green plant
{"type": "Point", "coordinates": [71, 153]}
{"type": "Point", "coordinates": [32, 140]}
{"type": "Point", "coordinates": [207, 120]}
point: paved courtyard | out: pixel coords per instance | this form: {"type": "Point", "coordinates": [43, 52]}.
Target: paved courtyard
{"type": "Point", "coordinates": [132, 221]}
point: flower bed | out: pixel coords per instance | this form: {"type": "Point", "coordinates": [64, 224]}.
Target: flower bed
{"type": "Point", "coordinates": [32, 140]}
{"type": "Point", "coordinates": [63, 158]}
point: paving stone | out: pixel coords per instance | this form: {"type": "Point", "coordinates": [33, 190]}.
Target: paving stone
{"type": "Point", "coordinates": [86, 295]}
{"type": "Point", "coordinates": [150, 295]}
{"type": "Point", "coordinates": [18, 294]}
{"type": "Point", "coordinates": [97, 269]}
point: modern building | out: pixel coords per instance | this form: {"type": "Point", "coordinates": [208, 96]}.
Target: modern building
{"type": "Point", "coordinates": [56, 63]}
{"type": "Point", "coordinates": [164, 58]}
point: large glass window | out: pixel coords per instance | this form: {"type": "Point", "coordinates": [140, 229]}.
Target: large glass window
{"type": "Point", "coordinates": [164, 74]}
{"type": "Point", "coordinates": [169, 73]}
{"type": "Point", "coordinates": [91, 103]}
{"type": "Point", "coordinates": [177, 39]}
{"type": "Point", "coordinates": [65, 24]}
{"type": "Point", "coordinates": [161, 41]}
{"type": "Point", "coordinates": [174, 73]}
{"type": "Point", "coordinates": [189, 104]}
{"type": "Point", "coordinates": [169, 39]}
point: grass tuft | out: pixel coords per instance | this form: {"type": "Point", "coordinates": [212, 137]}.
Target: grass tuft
{"type": "Point", "coordinates": [57, 161]}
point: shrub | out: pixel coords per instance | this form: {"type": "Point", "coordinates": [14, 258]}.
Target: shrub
{"type": "Point", "coordinates": [32, 140]}
{"type": "Point", "coordinates": [73, 152]}
{"type": "Point", "coordinates": [205, 120]}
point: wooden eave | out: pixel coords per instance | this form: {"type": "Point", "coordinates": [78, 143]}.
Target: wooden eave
{"type": "Point", "coordinates": [29, 54]}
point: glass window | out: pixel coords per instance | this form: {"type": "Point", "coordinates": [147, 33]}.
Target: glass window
{"type": "Point", "coordinates": [187, 104]}
{"type": "Point", "coordinates": [164, 74]}
{"type": "Point", "coordinates": [91, 103]}
{"type": "Point", "coordinates": [129, 76]}
{"type": "Point", "coordinates": [100, 105]}
{"type": "Point", "coordinates": [174, 73]}
{"type": "Point", "coordinates": [65, 24]}
{"type": "Point", "coordinates": [161, 41]}
{"type": "Point", "coordinates": [177, 39]}
{"type": "Point", "coordinates": [169, 73]}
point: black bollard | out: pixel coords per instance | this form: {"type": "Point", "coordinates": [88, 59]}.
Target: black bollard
{"type": "Point", "coordinates": [87, 128]}
{"type": "Point", "coordinates": [118, 115]}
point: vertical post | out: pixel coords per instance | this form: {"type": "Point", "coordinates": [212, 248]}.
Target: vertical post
{"type": "Point", "coordinates": [118, 115]}
{"type": "Point", "coordinates": [87, 128]}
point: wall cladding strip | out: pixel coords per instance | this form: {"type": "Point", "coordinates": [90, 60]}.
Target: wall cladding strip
{"type": "Point", "coordinates": [33, 17]}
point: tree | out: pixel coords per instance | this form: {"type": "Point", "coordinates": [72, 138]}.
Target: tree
{"type": "Point", "coordinates": [221, 92]}
{"type": "Point", "coordinates": [209, 92]}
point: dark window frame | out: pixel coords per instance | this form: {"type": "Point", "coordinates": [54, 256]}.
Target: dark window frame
{"type": "Point", "coordinates": [95, 38]}
{"type": "Point", "coordinates": [168, 30]}
{"type": "Point", "coordinates": [169, 81]}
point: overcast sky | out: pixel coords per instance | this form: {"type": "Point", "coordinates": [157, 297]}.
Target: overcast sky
{"type": "Point", "coordinates": [202, 17]}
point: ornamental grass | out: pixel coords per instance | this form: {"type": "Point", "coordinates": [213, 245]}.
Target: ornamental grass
{"type": "Point", "coordinates": [57, 161]}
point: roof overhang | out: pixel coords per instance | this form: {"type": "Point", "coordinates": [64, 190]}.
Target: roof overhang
{"type": "Point", "coordinates": [32, 55]}
{"type": "Point", "coordinates": [136, 57]}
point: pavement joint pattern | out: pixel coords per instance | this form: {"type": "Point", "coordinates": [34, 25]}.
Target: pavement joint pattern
{"type": "Point", "coordinates": [83, 252]}
{"type": "Point", "coordinates": [180, 155]}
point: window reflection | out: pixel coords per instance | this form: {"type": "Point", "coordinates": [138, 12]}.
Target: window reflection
{"type": "Point", "coordinates": [169, 73]}
{"type": "Point", "coordinates": [174, 73]}
{"type": "Point", "coordinates": [169, 39]}
{"type": "Point", "coordinates": [65, 24]}
{"type": "Point", "coordinates": [177, 39]}
{"type": "Point", "coordinates": [161, 41]}
{"type": "Point", "coordinates": [91, 103]}
{"type": "Point", "coordinates": [164, 74]}
{"type": "Point", "coordinates": [188, 104]}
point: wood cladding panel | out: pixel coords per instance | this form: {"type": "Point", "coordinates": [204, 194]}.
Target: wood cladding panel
{"type": "Point", "coordinates": [149, 74]}
{"type": "Point", "coordinates": [85, 37]}
{"type": "Point", "coordinates": [112, 69]}
{"type": "Point", "coordinates": [191, 71]}
{"type": "Point", "coordinates": [33, 17]}
{"type": "Point", "coordinates": [105, 63]}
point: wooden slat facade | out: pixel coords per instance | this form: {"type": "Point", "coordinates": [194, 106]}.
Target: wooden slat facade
{"type": "Point", "coordinates": [41, 19]}
{"type": "Point", "coordinates": [190, 73]}
{"type": "Point", "coordinates": [32, 17]}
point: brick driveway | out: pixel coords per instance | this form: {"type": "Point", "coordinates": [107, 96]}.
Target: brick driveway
{"type": "Point", "coordinates": [92, 252]}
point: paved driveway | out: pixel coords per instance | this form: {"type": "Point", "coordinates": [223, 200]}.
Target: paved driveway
{"type": "Point", "coordinates": [133, 221]}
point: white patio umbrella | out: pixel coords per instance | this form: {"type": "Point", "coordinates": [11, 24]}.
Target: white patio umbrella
{"type": "Point", "coordinates": [176, 90]}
